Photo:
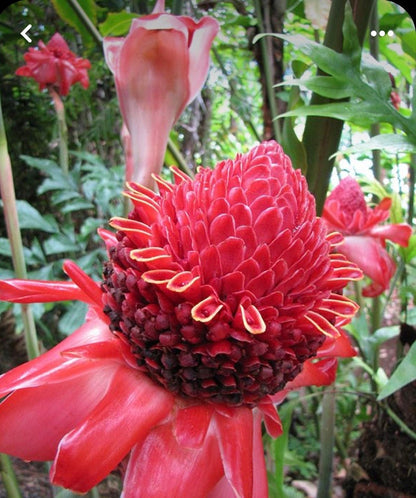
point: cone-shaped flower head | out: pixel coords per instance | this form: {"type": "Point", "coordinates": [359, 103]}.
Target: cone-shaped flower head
{"type": "Point", "coordinates": [221, 294]}
{"type": "Point", "coordinates": [225, 285]}
{"type": "Point", "coordinates": [55, 65]}
{"type": "Point", "coordinates": [159, 67]}
{"type": "Point", "coordinates": [346, 211]}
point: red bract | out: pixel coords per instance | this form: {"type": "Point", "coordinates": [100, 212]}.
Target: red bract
{"type": "Point", "coordinates": [346, 211]}
{"type": "Point", "coordinates": [221, 294]}
{"type": "Point", "coordinates": [55, 65]}
{"type": "Point", "coordinates": [158, 68]}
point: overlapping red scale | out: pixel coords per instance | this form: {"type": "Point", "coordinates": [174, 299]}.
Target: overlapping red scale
{"type": "Point", "coordinates": [237, 283]}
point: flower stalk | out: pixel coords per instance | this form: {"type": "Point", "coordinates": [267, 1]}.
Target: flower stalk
{"type": "Point", "coordinates": [327, 444]}
{"type": "Point", "coordinates": [8, 477]}
{"type": "Point", "coordinates": [62, 129]}
{"type": "Point", "coordinates": [13, 232]}
{"type": "Point", "coordinates": [265, 50]}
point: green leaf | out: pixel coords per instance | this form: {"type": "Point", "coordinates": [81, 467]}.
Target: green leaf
{"type": "Point", "coordinates": [73, 318]}
{"type": "Point", "coordinates": [376, 76]}
{"type": "Point", "coordinates": [328, 60]}
{"type": "Point", "coordinates": [5, 249]}
{"type": "Point", "coordinates": [403, 375]}
{"type": "Point", "coordinates": [76, 205]}
{"type": "Point", "coordinates": [384, 334]}
{"type": "Point", "coordinates": [30, 218]}
{"type": "Point", "coordinates": [117, 24]}
{"type": "Point", "coordinates": [351, 45]}
{"type": "Point", "coordinates": [70, 16]}
{"type": "Point", "coordinates": [403, 62]}
{"type": "Point", "coordinates": [409, 43]}
{"type": "Point", "coordinates": [60, 244]}
{"type": "Point", "coordinates": [327, 86]}
{"type": "Point", "coordinates": [389, 142]}
{"type": "Point", "coordinates": [410, 251]}
{"type": "Point", "coordinates": [360, 113]}
{"type": "Point", "coordinates": [47, 165]}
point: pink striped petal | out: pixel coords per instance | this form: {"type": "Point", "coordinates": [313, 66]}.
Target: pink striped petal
{"type": "Point", "coordinates": [51, 366]}
{"type": "Point", "coordinates": [161, 468]}
{"type": "Point", "coordinates": [37, 419]}
{"type": "Point", "coordinates": [131, 407]}
{"type": "Point", "coordinates": [37, 291]}
{"type": "Point", "coordinates": [235, 439]}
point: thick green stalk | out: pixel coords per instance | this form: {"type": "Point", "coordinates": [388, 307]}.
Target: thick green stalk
{"type": "Point", "coordinates": [177, 6]}
{"type": "Point", "coordinates": [62, 128]}
{"type": "Point", "coordinates": [327, 444]}
{"type": "Point", "coordinates": [322, 135]}
{"type": "Point", "coordinates": [321, 140]}
{"type": "Point", "coordinates": [12, 226]}
{"type": "Point", "coordinates": [13, 232]}
{"type": "Point", "coordinates": [265, 46]}
{"type": "Point", "coordinates": [375, 127]}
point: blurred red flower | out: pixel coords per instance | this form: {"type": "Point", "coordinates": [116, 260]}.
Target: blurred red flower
{"type": "Point", "coordinates": [220, 295]}
{"type": "Point", "coordinates": [346, 211]}
{"type": "Point", "coordinates": [159, 67]}
{"type": "Point", "coordinates": [55, 65]}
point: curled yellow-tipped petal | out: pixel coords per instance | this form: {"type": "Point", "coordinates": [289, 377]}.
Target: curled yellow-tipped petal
{"type": "Point", "coordinates": [252, 319]}
{"type": "Point", "coordinates": [322, 324]}
{"type": "Point", "coordinates": [182, 281]}
{"type": "Point", "coordinates": [206, 310]}
{"type": "Point", "coordinates": [150, 255]}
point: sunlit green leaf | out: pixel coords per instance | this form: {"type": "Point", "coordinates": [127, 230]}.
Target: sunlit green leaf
{"type": "Point", "coordinates": [70, 16]}
{"type": "Point", "coordinates": [327, 86]}
{"type": "Point", "coordinates": [117, 24]}
{"type": "Point", "coordinates": [409, 43]}
{"type": "Point", "coordinates": [403, 375]}
{"type": "Point", "coordinates": [389, 142]}
{"type": "Point", "coordinates": [361, 113]}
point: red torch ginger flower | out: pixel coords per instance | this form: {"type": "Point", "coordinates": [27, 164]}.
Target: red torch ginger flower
{"type": "Point", "coordinates": [159, 67]}
{"type": "Point", "coordinates": [346, 211]}
{"type": "Point", "coordinates": [220, 295]}
{"type": "Point", "coordinates": [54, 65]}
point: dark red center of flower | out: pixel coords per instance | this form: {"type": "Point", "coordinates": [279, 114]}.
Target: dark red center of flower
{"type": "Point", "coordinates": [223, 286]}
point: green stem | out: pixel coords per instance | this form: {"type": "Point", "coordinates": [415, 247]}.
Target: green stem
{"type": "Point", "coordinates": [87, 21]}
{"type": "Point", "coordinates": [327, 444]}
{"type": "Point", "coordinates": [403, 427]}
{"type": "Point", "coordinates": [177, 7]}
{"type": "Point", "coordinates": [179, 158]}
{"type": "Point", "coordinates": [376, 314]}
{"type": "Point", "coordinates": [8, 477]}
{"type": "Point", "coordinates": [62, 128]}
{"type": "Point", "coordinates": [412, 181]}
{"type": "Point", "coordinates": [265, 46]}
{"type": "Point", "coordinates": [13, 232]}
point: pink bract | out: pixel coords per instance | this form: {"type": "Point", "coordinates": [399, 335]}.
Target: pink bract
{"type": "Point", "coordinates": [221, 294]}
{"type": "Point", "coordinates": [55, 65]}
{"type": "Point", "coordinates": [346, 211]}
{"type": "Point", "coordinates": [159, 67]}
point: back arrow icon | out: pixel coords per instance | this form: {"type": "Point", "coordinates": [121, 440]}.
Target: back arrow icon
{"type": "Point", "coordinates": [24, 31]}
